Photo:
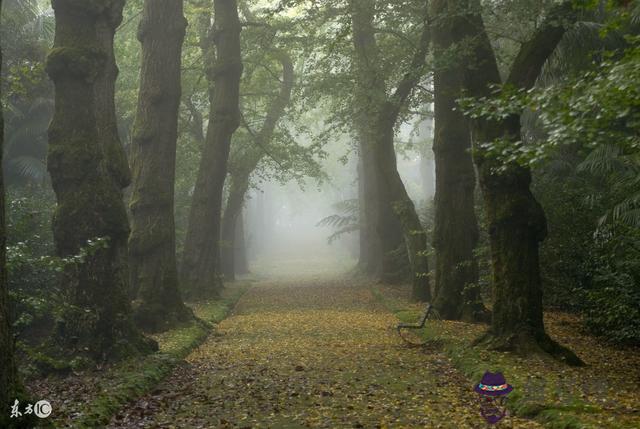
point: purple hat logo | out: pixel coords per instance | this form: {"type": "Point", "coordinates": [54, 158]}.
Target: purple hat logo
{"type": "Point", "coordinates": [493, 389]}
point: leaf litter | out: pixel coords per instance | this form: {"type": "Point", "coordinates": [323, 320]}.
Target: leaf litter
{"type": "Point", "coordinates": [310, 353]}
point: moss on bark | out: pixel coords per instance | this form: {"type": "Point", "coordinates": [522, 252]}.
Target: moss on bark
{"type": "Point", "coordinates": [89, 202]}
{"type": "Point", "coordinates": [516, 220]}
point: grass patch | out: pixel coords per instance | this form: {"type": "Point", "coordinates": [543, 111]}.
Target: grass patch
{"type": "Point", "coordinates": [544, 389]}
{"type": "Point", "coordinates": [135, 377]}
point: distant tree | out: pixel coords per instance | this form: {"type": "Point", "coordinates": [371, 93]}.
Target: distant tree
{"type": "Point", "coordinates": [380, 112]}
{"type": "Point", "coordinates": [249, 160]}
{"type": "Point", "coordinates": [89, 200]}
{"type": "Point", "coordinates": [200, 269]}
{"type": "Point", "coordinates": [455, 235]}
{"type": "Point", "coordinates": [152, 245]}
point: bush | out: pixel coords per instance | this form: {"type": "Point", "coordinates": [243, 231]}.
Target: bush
{"type": "Point", "coordinates": [613, 307]}
{"type": "Point", "coordinates": [612, 298]}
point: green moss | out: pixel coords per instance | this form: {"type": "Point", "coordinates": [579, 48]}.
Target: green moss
{"type": "Point", "coordinates": [44, 363]}
{"type": "Point", "coordinates": [66, 62]}
{"type": "Point", "coordinates": [135, 377]}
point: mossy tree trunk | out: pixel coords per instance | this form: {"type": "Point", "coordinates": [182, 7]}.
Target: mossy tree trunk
{"type": "Point", "coordinates": [241, 172]}
{"type": "Point", "coordinates": [380, 112]}
{"type": "Point", "coordinates": [89, 201]}
{"type": "Point", "coordinates": [115, 158]}
{"type": "Point", "coordinates": [516, 221]}
{"type": "Point", "coordinates": [455, 233]}
{"type": "Point", "coordinates": [152, 244]}
{"type": "Point", "coordinates": [200, 265]}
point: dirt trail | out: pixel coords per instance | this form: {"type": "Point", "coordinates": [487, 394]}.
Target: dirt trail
{"type": "Point", "coordinates": [310, 353]}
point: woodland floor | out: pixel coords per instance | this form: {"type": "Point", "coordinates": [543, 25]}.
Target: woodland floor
{"type": "Point", "coordinates": [311, 351]}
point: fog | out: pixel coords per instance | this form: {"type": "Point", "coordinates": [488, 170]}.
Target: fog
{"type": "Point", "coordinates": [282, 230]}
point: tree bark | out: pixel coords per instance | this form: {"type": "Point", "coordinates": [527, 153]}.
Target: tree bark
{"type": "Point", "coordinates": [455, 233]}
{"type": "Point", "coordinates": [370, 260]}
{"type": "Point", "coordinates": [152, 244]}
{"type": "Point", "coordinates": [235, 201]}
{"type": "Point", "coordinates": [240, 260]}
{"type": "Point", "coordinates": [89, 202]}
{"type": "Point", "coordinates": [380, 226]}
{"type": "Point", "coordinates": [115, 157]}
{"type": "Point", "coordinates": [200, 266]}
{"type": "Point", "coordinates": [516, 220]}
{"type": "Point", "coordinates": [415, 236]}
{"type": "Point", "coordinates": [379, 113]}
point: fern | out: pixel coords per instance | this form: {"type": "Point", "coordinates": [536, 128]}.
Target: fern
{"type": "Point", "coordinates": [345, 221]}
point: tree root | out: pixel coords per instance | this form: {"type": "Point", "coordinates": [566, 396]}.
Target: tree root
{"type": "Point", "coordinates": [525, 344]}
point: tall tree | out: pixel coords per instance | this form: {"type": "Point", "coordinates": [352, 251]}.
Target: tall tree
{"type": "Point", "coordinates": [248, 163]}
{"type": "Point", "coordinates": [8, 373]}
{"type": "Point", "coordinates": [516, 220]}
{"type": "Point", "coordinates": [455, 234]}
{"type": "Point", "coordinates": [381, 112]}
{"type": "Point", "coordinates": [380, 229]}
{"type": "Point", "coordinates": [89, 201]}
{"type": "Point", "coordinates": [152, 244]}
{"type": "Point", "coordinates": [200, 265]}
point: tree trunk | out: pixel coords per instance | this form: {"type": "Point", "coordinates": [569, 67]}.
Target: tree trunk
{"type": "Point", "coordinates": [516, 220]}
{"type": "Point", "coordinates": [115, 157]}
{"type": "Point", "coordinates": [415, 236]}
{"type": "Point", "coordinates": [379, 226]}
{"type": "Point", "coordinates": [455, 233]}
{"type": "Point", "coordinates": [240, 260]}
{"type": "Point", "coordinates": [89, 202]}
{"type": "Point", "coordinates": [375, 118]}
{"type": "Point", "coordinates": [371, 255]}
{"type": "Point", "coordinates": [237, 191]}
{"type": "Point", "coordinates": [152, 244]}
{"type": "Point", "coordinates": [200, 266]}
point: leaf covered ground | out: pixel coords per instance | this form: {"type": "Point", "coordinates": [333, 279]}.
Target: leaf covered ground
{"type": "Point", "coordinates": [87, 398]}
{"type": "Point", "coordinates": [602, 394]}
{"type": "Point", "coordinates": [310, 353]}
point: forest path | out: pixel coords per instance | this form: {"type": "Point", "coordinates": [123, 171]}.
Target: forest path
{"type": "Point", "coordinates": [310, 352]}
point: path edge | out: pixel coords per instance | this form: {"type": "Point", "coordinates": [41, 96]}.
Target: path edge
{"type": "Point", "coordinates": [143, 377]}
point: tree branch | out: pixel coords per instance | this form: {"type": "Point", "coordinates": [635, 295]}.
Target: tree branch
{"type": "Point", "coordinates": [535, 52]}
{"type": "Point", "coordinates": [416, 68]}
